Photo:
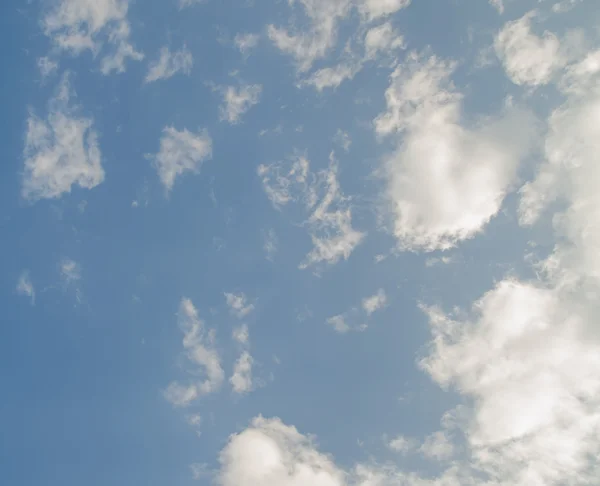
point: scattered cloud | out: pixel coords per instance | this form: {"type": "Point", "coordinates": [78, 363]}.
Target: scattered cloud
{"type": "Point", "coordinates": [237, 101]}
{"type": "Point", "coordinates": [169, 64]}
{"type": "Point", "coordinates": [47, 66]}
{"type": "Point", "coordinates": [343, 139]}
{"type": "Point", "coordinates": [241, 380]}
{"type": "Point", "coordinates": [70, 271]}
{"type": "Point", "coordinates": [527, 58]}
{"type": "Point", "coordinates": [60, 151]}
{"type": "Point", "coordinates": [238, 304]}
{"type": "Point", "coordinates": [79, 25]}
{"type": "Point", "coordinates": [270, 452]}
{"type": "Point", "coordinates": [25, 286]}
{"type": "Point", "coordinates": [375, 9]}
{"type": "Point", "coordinates": [241, 335]}
{"type": "Point", "coordinates": [181, 152]}
{"type": "Point", "coordinates": [246, 42]}
{"type": "Point", "coordinates": [498, 5]}
{"type": "Point", "coordinates": [375, 302]}
{"type": "Point", "coordinates": [438, 446]}
{"type": "Point", "coordinates": [330, 215]}
{"type": "Point", "coordinates": [271, 243]}
{"type": "Point", "coordinates": [402, 444]}
{"type": "Point", "coordinates": [445, 181]}
{"type": "Point", "coordinates": [201, 352]}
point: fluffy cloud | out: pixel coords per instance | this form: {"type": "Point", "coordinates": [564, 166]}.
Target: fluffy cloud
{"type": "Point", "coordinates": [78, 25]}
{"type": "Point", "coordinates": [237, 101]}
{"type": "Point", "coordinates": [270, 452]}
{"type": "Point", "coordinates": [25, 286]}
{"type": "Point", "coordinates": [60, 151]}
{"type": "Point", "coordinates": [180, 152]}
{"type": "Point", "coordinates": [330, 217]}
{"type": "Point", "coordinates": [527, 58]}
{"type": "Point", "coordinates": [238, 304]}
{"type": "Point", "coordinates": [169, 64]}
{"type": "Point", "coordinates": [200, 351]}
{"type": "Point", "coordinates": [445, 181]}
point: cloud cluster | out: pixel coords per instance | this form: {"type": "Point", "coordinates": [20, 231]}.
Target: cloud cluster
{"type": "Point", "coordinates": [60, 151]}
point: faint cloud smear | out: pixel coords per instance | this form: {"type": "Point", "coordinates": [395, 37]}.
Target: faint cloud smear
{"type": "Point", "coordinates": [238, 304]}
{"type": "Point", "coordinates": [498, 5]}
{"type": "Point", "coordinates": [25, 286]}
{"type": "Point", "coordinates": [60, 151]}
{"type": "Point", "coordinates": [237, 101]}
{"type": "Point", "coordinates": [201, 352]}
{"type": "Point", "coordinates": [47, 66]}
{"type": "Point", "coordinates": [375, 302]}
{"type": "Point", "coordinates": [270, 244]}
{"type": "Point", "coordinates": [70, 271]}
{"type": "Point", "coordinates": [180, 152]}
{"type": "Point", "coordinates": [246, 42]}
{"type": "Point", "coordinates": [79, 25]}
{"type": "Point", "coordinates": [170, 63]}
{"type": "Point", "coordinates": [357, 318]}
{"type": "Point", "coordinates": [329, 214]}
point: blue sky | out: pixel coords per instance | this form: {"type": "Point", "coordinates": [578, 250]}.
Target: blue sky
{"type": "Point", "coordinates": [300, 243]}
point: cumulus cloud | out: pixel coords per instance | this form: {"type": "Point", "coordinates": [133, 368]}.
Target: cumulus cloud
{"type": "Point", "coordinates": [60, 151]}
{"type": "Point", "coordinates": [329, 214]}
{"type": "Point", "coordinates": [270, 452]}
{"type": "Point", "coordinates": [527, 58]}
{"type": "Point", "coordinates": [382, 38]}
{"type": "Point", "coordinates": [79, 25]}
{"type": "Point", "coordinates": [445, 181]}
{"type": "Point", "coordinates": [180, 152]}
{"type": "Point", "coordinates": [200, 352]}
{"type": "Point", "coordinates": [238, 304]}
{"type": "Point", "coordinates": [169, 64]}
{"type": "Point", "coordinates": [25, 286]}
{"type": "Point", "coordinates": [237, 101]}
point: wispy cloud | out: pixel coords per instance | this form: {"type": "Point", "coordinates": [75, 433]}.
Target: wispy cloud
{"type": "Point", "coordinates": [25, 286]}
{"type": "Point", "coordinates": [238, 304]}
{"type": "Point", "coordinates": [170, 63]}
{"type": "Point", "coordinates": [60, 151]}
{"type": "Point", "coordinates": [237, 101]}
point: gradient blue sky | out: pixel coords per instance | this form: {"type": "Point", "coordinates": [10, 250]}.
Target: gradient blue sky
{"type": "Point", "coordinates": [310, 243]}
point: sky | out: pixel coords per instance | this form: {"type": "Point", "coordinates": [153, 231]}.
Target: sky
{"type": "Point", "coordinates": [300, 242]}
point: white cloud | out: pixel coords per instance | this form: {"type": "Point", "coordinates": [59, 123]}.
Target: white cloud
{"type": "Point", "coordinates": [241, 380]}
{"type": "Point", "coordinates": [272, 453]}
{"type": "Point", "coordinates": [375, 302]}
{"type": "Point", "coordinates": [343, 139]}
{"type": "Point", "coordinates": [60, 151]}
{"type": "Point", "coordinates": [180, 152]}
{"type": "Point", "coordinates": [47, 66]}
{"type": "Point", "coordinates": [237, 101]}
{"type": "Point", "coordinates": [527, 58]}
{"type": "Point", "coordinates": [246, 42]}
{"type": "Point", "coordinates": [339, 323]}
{"type": "Point", "coordinates": [382, 38]}
{"type": "Point", "coordinates": [25, 286]}
{"type": "Point", "coordinates": [170, 64]}
{"type": "Point", "coordinates": [401, 444]}
{"type": "Point", "coordinates": [70, 271]}
{"type": "Point", "coordinates": [330, 216]}
{"type": "Point", "coordinates": [241, 334]}
{"type": "Point", "coordinates": [271, 242]}
{"type": "Point", "coordinates": [445, 181]}
{"type": "Point", "coordinates": [438, 446]}
{"type": "Point", "coordinates": [200, 350]}
{"type": "Point", "coordinates": [307, 47]}
{"type": "Point", "coordinates": [189, 3]}
{"type": "Point", "coordinates": [238, 304]}
{"type": "Point", "coordinates": [374, 9]}
{"type": "Point", "coordinates": [498, 5]}
{"type": "Point", "coordinates": [78, 25]}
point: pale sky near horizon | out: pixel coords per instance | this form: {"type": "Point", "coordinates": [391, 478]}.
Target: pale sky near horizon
{"type": "Point", "coordinates": [300, 243]}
